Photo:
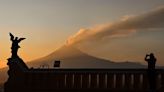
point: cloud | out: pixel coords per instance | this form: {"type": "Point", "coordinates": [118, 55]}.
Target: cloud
{"type": "Point", "coordinates": [127, 26]}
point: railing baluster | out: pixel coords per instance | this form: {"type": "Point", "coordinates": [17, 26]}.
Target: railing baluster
{"type": "Point", "coordinates": [158, 81]}
{"type": "Point", "coordinates": [110, 80]}
{"type": "Point", "coordinates": [102, 80]}
{"type": "Point", "coordinates": [162, 80]}
{"type": "Point", "coordinates": [119, 80]}
{"type": "Point", "coordinates": [61, 79]}
{"type": "Point", "coordinates": [51, 86]}
{"type": "Point", "coordinates": [128, 81]}
{"type": "Point", "coordinates": [77, 80]}
{"type": "Point", "coordinates": [69, 80]}
{"type": "Point", "coordinates": [85, 80]}
{"type": "Point", "coordinates": [145, 81]}
{"type": "Point", "coordinates": [94, 80]}
{"type": "Point", "coordinates": [137, 81]}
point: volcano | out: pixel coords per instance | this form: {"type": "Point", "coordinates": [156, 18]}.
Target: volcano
{"type": "Point", "coordinates": [71, 57]}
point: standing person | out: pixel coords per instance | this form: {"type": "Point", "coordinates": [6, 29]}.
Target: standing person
{"type": "Point", "coordinates": [151, 60]}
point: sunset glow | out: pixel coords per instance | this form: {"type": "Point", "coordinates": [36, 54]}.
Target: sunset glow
{"type": "Point", "coordinates": [110, 29]}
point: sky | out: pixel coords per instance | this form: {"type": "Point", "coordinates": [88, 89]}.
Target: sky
{"type": "Point", "coordinates": [49, 24]}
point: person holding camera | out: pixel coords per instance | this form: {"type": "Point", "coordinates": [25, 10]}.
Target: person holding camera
{"type": "Point", "coordinates": [151, 60]}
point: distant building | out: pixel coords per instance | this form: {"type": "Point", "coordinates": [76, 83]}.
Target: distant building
{"type": "Point", "coordinates": [57, 63]}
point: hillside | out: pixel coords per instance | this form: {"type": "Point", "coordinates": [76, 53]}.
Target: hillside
{"type": "Point", "coordinates": [71, 57]}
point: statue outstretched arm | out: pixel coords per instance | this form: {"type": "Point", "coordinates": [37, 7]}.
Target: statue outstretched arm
{"type": "Point", "coordinates": [11, 36]}
{"type": "Point", "coordinates": [20, 39]}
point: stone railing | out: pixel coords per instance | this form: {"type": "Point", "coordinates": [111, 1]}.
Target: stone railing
{"type": "Point", "coordinates": [90, 79]}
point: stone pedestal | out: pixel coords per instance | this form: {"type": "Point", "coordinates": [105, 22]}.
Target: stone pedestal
{"type": "Point", "coordinates": [15, 74]}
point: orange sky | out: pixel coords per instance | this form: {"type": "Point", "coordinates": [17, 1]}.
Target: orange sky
{"type": "Point", "coordinates": [31, 48]}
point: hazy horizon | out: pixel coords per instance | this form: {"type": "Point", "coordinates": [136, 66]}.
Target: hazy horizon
{"type": "Point", "coordinates": [117, 30]}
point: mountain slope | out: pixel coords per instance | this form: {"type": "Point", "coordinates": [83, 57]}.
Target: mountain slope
{"type": "Point", "coordinates": [73, 58]}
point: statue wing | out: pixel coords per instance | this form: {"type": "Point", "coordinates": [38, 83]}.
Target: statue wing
{"type": "Point", "coordinates": [11, 36]}
{"type": "Point", "coordinates": [20, 39]}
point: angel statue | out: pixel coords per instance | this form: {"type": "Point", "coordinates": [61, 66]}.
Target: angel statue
{"type": "Point", "coordinates": [15, 46]}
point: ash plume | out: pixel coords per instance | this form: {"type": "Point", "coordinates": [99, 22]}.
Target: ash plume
{"type": "Point", "coordinates": [151, 20]}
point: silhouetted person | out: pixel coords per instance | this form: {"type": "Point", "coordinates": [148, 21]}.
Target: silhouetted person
{"type": "Point", "coordinates": [15, 46]}
{"type": "Point", "coordinates": [151, 60]}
